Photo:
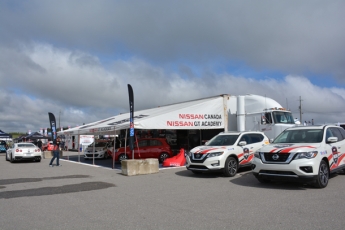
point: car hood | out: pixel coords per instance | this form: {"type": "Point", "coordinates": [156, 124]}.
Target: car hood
{"type": "Point", "coordinates": [287, 148]}
{"type": "Point", "coordinates": [210, 149]}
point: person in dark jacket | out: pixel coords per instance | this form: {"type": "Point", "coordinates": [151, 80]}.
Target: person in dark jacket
{"type": "Point", "coordinates": [56, 152]}
{"type": "Point", "coordinates": [39, 144]}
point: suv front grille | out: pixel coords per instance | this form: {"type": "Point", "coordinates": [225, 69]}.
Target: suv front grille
{"type": "Point", "coordinates": [197, 157]}
{"type": "Point", "coordinates": [276, 158]}
{"type": "Point", "coordinates": [201, 167]}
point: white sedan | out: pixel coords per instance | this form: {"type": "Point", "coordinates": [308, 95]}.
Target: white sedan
{"type": "Point", "coordinates": [23, 151]}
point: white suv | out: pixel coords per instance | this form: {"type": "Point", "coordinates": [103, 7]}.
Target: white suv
{"type": "Point", "coordinates": [305, 153]}
{"type": "Point", "coordinates": [226, 152]}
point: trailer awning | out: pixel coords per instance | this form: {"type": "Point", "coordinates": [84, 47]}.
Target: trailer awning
{"type": "Point", "coordinates": [207, 113]}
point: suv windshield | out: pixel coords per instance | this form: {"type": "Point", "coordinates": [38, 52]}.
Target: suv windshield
{"type": "Point", "coordinates": [283, 117]}
{"type": "Point", "coordinates": [300, 136]}
{"type": "Point", "coordinates": [221, 140]}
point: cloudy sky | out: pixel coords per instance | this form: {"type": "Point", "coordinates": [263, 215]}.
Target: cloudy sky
{"type": "Point", "coordinates": [74, 58]}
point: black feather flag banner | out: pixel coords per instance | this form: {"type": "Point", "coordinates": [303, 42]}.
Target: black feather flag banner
{"type": "Point", "coordinates": [131, 117]}
{"type": "Point", "coordinates": [52, 122]}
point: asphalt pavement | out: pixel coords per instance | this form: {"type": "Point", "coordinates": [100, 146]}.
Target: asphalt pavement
{"type": "Point", "coordinates": [107, 163]}
{"type": "Point", "coordinates": [90, 196]}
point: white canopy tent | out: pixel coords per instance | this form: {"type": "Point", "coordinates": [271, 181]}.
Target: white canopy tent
{"type": "Point", "coordinates": [207, 113]}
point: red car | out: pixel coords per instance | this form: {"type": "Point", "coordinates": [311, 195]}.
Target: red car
{"type": "Point", "coordinates": [48, 147]}
{"type": "Point", "coordinates": [145, 148]}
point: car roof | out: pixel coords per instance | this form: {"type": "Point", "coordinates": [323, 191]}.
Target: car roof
{"type": "Point", "coordinates": [238, 132]}
{"type": "Point", "coordinates": [312, 127]}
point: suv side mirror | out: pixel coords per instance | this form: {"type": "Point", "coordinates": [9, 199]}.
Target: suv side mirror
{"type": "Point", "coordinates": [332, 139]}
{"type": "Point", "coordinates": [242, 143]}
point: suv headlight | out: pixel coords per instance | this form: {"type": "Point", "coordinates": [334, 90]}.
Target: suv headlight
{"type": "Point", "coordinates": [306, 155]}
{"type": "Point", "coordinates": [215, 154]}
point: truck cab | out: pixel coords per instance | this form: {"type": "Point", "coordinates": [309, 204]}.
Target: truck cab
{"type": "Point", "coordinates": [257, 113]}
{"type": "Point", "coordinates": [274, 121]}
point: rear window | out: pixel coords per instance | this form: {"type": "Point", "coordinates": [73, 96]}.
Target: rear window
{"type": "Point", "coordinates": [26, 146]}
{"type": "Point", "coordinates": [155, 143]}
{"type": "Point", "coordinates": [143, 143]}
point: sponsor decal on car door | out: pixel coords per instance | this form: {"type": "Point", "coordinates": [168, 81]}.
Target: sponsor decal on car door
{"type": "Point", "coordinates": [247, 154]}
{"type": "Point", "coordinates": [336, 157]}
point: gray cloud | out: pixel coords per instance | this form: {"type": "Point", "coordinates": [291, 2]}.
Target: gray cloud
{"type": "Point", "coordinates": [291, 36]}
{"type": "Point", "coordinates": [85, 93]}
{"type": "Point", "coordinates": [75, 58]}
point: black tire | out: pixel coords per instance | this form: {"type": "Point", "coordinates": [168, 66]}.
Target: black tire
{"type": "Point", "coordinates": [322, 176]}
{"type": "Point", "coordinates": [230, 167]}
{"type": "Point", "coordinates": [163, 156]}
{"type": "Point", "coordinates": [196, 172]}
{"type": "Point", "coordinates": [122, 157]}
{"type": "Point", "coordinates": [11, 159]}
{"type": "Point", "coordinates": [7, 157]}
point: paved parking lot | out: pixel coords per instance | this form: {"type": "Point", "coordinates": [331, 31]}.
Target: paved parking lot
{"type": "Point", "coordinates": [107, 163]}
{"type": "Point", "coordinates": [79, 196]}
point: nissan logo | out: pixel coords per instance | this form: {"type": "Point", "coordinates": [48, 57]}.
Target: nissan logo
{"type": "Point", "coordinates": [275, 157]}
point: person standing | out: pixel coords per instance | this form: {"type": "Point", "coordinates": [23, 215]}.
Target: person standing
{"type": "Point", "coordinates": [56, 152]}
{"type": "Point", "coordinates": [39, 144]}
